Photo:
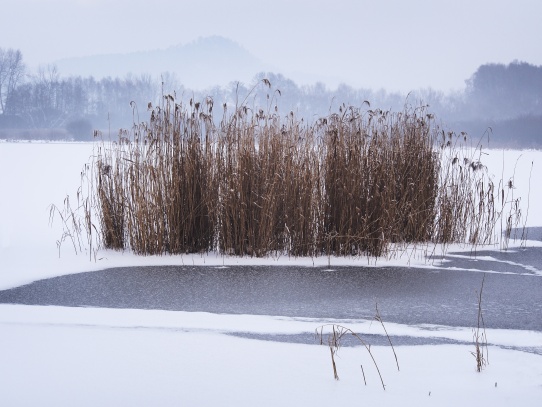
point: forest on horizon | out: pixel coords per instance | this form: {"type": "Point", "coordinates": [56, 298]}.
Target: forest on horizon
{"type": "Point", "coordinates": [46, 105]}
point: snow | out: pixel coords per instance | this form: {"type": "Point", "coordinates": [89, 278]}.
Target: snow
{"type": "Point", "coordinates": [54, 356]}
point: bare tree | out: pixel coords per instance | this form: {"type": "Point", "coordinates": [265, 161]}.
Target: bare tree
{"type": "Point", "coordinates": [12, 71]}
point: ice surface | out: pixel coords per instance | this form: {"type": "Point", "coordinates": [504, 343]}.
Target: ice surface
{"type": "Point", "coordinates": [89, 356]}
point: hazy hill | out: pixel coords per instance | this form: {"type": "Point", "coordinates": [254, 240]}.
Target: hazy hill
{"type": "Point", "coordinates": [200, 64]}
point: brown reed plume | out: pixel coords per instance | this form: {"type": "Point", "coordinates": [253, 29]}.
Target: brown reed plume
{"type": "Point", "coordinates": [356, 182]}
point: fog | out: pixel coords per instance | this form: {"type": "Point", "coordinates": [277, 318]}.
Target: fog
{"type": "Point", "coordinates": [477, 65]}
{"type": "Point", "coordinates": [395, 45]}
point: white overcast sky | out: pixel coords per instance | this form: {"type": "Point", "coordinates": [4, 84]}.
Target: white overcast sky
{"type": "Point", "coordinates": [393, 44]}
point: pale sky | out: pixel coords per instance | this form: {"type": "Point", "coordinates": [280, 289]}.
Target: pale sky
{"type": "Point", "coordinates": [391, 44]}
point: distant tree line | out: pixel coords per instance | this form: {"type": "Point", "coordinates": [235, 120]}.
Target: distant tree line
{"type": "Point", "coordinates": [12, 70]}
{"type": "Point", "coordinates": [47, 101]}
{"type": "Point", "coordinates": [505, 98]}
{"type": "Point", "coordinates": [497, 91]}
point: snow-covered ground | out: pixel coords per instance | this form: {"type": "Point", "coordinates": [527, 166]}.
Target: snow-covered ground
{"type": "Point", "coordinates": [53, 356]}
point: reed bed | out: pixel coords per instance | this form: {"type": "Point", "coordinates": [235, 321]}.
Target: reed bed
{"type": "Point", "coordinates": [253, 183]}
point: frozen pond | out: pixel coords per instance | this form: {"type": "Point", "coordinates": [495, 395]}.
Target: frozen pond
{"type": "Point", "coordinates": [447, 295]}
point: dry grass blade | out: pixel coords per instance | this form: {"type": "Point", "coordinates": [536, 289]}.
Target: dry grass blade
{"type": "Point", "coordinates": [479, 336]}
{"type": "Point", "coordinates": [335, 340]}
{"type": "Point", "coordinates": [379, 319]}
{"type": "Point", "coordinates": [353, 183]}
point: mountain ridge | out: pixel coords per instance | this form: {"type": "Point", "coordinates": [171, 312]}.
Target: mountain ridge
{"type": "Point", "coordinates": [202, 63]}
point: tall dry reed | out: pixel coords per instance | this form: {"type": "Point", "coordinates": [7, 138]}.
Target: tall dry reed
{"type": "Point", "coordinates": [353, 183]}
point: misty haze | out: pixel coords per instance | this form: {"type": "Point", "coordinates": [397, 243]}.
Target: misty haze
{"type": "Point", "coordinates": [70, 99]}
{"type": "Point", "coordinates": [270, 203]}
